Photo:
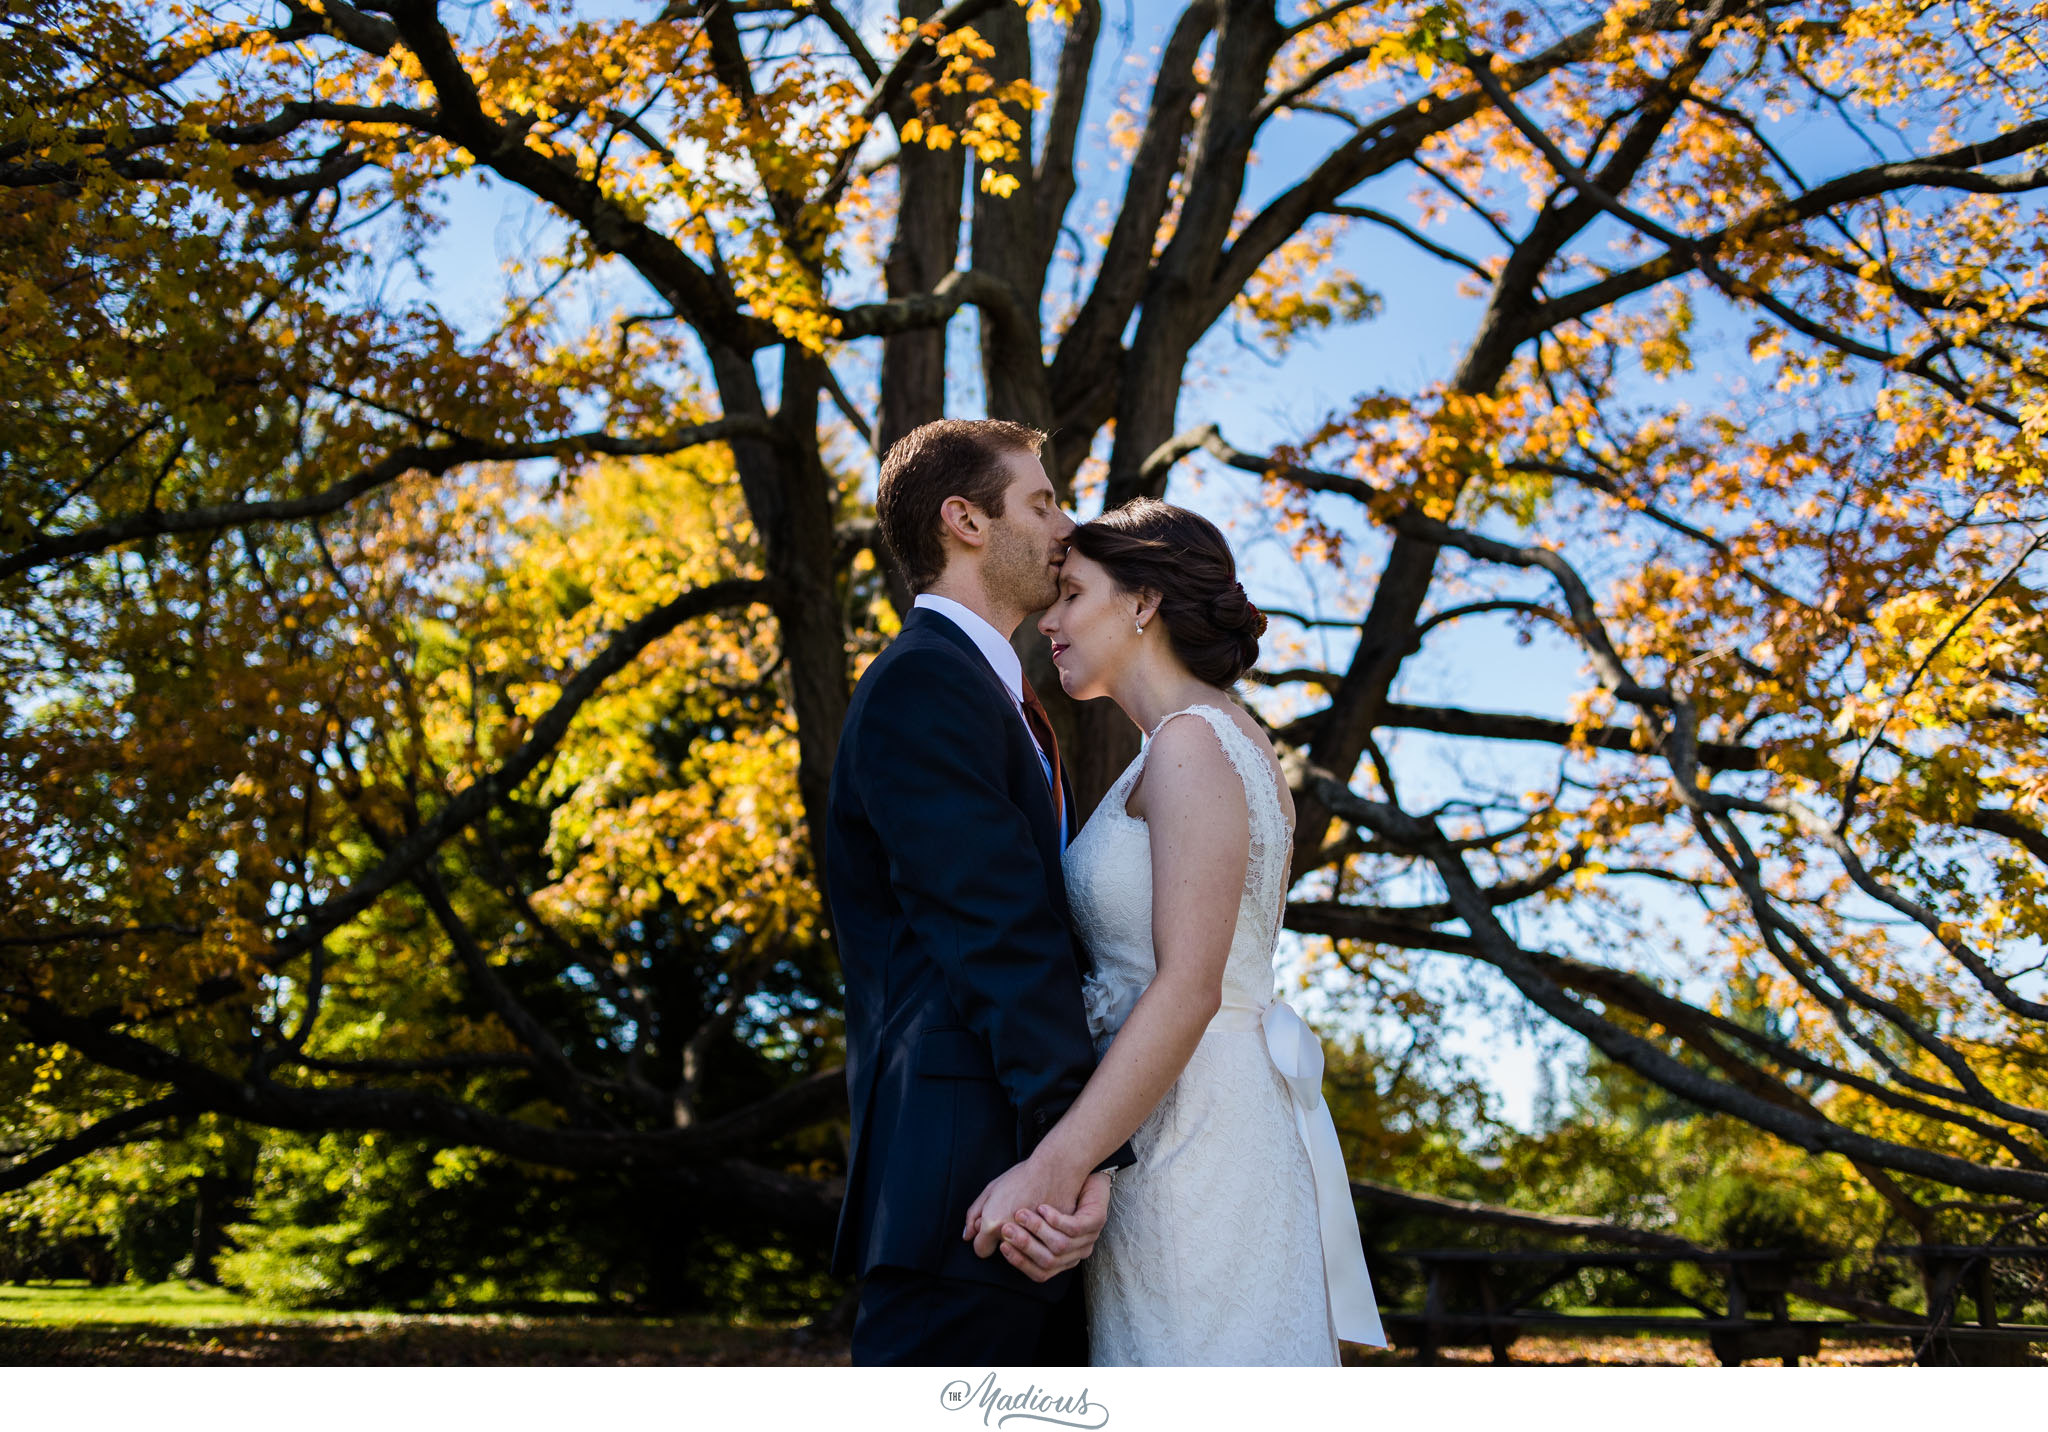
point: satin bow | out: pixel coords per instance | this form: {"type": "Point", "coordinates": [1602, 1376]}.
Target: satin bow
{"type": "Point", "coordinates": [1298, 1055]}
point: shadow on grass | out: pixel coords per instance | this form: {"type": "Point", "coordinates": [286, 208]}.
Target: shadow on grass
{"type": "Point", "coordinates": [175, 1323]}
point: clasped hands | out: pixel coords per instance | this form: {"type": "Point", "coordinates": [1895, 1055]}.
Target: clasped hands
{"type": "Point", "coordinates": [1048, 1229]}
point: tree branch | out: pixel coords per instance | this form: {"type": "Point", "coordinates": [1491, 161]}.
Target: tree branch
{"type": "Point", "coordinates": [433, 459]}
{"type": "Point", "coordinates": [127, 1127]}
{"type": "Point", "coordinates": [471, 803]}
{"type": "Point", "coordinates": [997, 301]}
{"type": "Point", "coordinates": [611, 228]}
{"type": "Point", "coordinates": [687, 1155]}
{"type": "Point", "coordinates": [1427, 245]}
{"type": "Point", "coordinates": [1804, 1130]}
{"type": "Point", "coordinates": [1502, 726]}
{"type": "Point", "coordinates": [884, 97]}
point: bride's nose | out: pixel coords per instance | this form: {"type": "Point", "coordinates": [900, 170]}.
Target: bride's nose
{"type": "Point", "coordinates": [1046, 625]}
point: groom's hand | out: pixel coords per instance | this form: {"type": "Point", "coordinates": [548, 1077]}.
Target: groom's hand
{"type": "Point", "coordinates": [1043, 1242]}
{"type": "Point", "coordinates": [1024, 1186]}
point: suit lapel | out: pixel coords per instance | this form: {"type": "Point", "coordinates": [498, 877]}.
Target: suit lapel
{"type": "Point", "coordinates": [923, 624]}
{"type": "Point", "coordinates": [923, 621]}
{"type": "Point", "coordinates": [1044, 818]}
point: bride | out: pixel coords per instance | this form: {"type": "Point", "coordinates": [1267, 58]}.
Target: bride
{"type": "Point", "coordinates": [1232, 1240]}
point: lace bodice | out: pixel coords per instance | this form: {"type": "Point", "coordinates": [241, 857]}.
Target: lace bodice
{"type": "Point", "coordinates": [1109, 886]}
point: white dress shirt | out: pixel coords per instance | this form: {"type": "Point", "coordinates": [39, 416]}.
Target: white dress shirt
{"type": "Point", "coordinates": [995, 647]}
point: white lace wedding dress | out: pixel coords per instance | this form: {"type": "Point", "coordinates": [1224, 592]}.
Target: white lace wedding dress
{"type": "Point", "coordinates": [1213, 1254]}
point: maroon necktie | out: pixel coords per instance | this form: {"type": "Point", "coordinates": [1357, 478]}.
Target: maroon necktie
{"type": "Point", "coordinates": [1041, 730]}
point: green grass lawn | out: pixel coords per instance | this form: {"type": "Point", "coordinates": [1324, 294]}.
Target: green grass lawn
{"type": "Point", "coordinates": [66, 1303]}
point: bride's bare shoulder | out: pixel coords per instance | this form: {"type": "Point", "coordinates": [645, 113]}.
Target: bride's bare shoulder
{"type": "Point", "coordinates": [1196, 754]}
{"type": "Point", "coordinates": [1185, 754]}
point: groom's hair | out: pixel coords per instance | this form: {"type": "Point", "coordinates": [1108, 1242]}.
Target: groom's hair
{"type": "Point", "coordinates": [953, 457]}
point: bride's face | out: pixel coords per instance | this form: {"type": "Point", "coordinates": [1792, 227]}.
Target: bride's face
{"type": "Point", "coordinates": [1092, 627]}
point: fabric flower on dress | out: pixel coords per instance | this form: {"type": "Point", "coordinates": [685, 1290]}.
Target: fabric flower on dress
{"type": "Point", "coordinates": [1099, 1001]}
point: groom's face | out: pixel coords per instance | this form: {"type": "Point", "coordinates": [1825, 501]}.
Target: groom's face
{"type": "Point", "coordinates": [1021, 564]}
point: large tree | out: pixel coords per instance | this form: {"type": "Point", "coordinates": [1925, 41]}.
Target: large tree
{"type": "Point", "coordinates": [234, 771]}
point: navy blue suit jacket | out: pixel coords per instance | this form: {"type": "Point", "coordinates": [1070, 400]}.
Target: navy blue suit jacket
{"type": "Point", "coordinates": [965, 1037]}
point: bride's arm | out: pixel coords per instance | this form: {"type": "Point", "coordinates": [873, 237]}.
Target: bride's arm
{"type": "Point", "coordinates": [1194, 807]}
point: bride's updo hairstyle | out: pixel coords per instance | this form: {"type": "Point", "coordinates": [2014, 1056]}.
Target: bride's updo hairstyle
{"type": "Point", "coordinates": [1152, 546]}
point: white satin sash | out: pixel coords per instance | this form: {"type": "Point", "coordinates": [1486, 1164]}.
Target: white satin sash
{"type": "Point", "coordinates": [1298, 1055]}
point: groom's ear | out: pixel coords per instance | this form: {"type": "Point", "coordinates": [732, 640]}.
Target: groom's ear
{"type": "Point", "coordinates": [963, 521]}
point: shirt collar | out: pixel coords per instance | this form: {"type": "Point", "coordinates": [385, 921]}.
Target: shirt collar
{"type": "Point", "coordinates": [990, 642]}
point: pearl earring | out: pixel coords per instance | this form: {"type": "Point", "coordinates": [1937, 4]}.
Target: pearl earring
{"type": "Point", "coordinates": [1141, 628]}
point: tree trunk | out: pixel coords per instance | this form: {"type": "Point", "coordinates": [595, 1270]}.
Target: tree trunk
{"type": "Point", "coordinates": [921, 252]}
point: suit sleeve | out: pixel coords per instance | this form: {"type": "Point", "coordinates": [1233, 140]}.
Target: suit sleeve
{"type": "Point", "coordinates": [970, 880]}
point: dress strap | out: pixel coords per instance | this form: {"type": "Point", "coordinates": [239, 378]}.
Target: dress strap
{"type": "Point", "coordinates": [1160, 725]}
{"type": "Point", "coordinates": [1216, 716]}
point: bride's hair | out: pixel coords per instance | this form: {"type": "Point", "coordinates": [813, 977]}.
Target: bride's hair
{"type": "Point", "coordinates": [1152, 546]}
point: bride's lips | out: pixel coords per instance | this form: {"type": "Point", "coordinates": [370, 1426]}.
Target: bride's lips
{"type": "Point", "coordinates": [1057, 648]}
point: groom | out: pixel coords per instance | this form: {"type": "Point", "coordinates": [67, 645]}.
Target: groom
{"type": "Point", "coordinates": [965, 1038]}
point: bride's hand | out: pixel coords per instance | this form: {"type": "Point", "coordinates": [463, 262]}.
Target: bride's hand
{"type": "Point", "coordinates": [1023, 1186]}
{"type": "Point", "coordinates": [1049, 1241]}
